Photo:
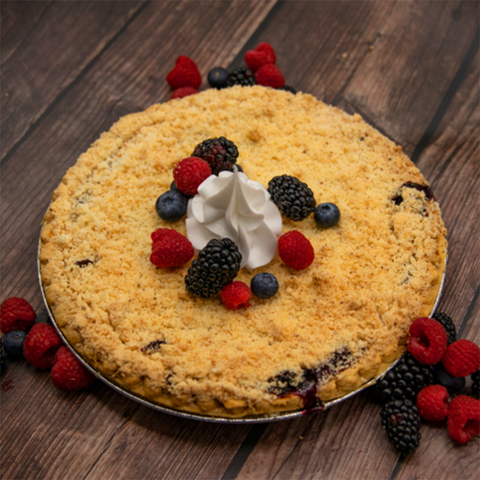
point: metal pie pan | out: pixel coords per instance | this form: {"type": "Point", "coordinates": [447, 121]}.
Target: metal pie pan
{"type": "Point", "coordinates": [274, 417]}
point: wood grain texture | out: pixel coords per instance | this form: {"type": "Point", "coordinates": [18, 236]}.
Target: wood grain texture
{"type": "Point", "coordinates": [415, 57]}
{"type": "Point", "coordinates": [53, 46]}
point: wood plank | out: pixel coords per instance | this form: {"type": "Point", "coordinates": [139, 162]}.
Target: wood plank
{"type": "Point", "coordinates": [46, 50]}
{"type": "Point", "coordinates": [399, 86]}
{"type": "Point", "coordinates": [17, 20]}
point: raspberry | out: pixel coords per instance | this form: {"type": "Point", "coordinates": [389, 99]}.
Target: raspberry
{"type": "Point", "coordinates": [295, 250]}
{"type": "Point", "coordinates": [185, 74]}
{"type": "Point", "coordinates": [189, 174]}
{"type": "Point", "coordinates": [261, 55]}
{"type": "Point", "coordinates": [428, 340]}
{"type": "Point", "coordinates": [183, 92]}
{"type": "Point", "coordinates": [16, 314]}
{"type": "Point", "coordinates": [270, 76]}
{"type": "Point", "coordinates": [462, 358]}
{"type": "Point", "coordinates": [236, 295]}
{"type": "Point", "coordinates": [41, 345]}
{"type": "Point", "coordinates": [432, 403]}
{"type": "Point", "coordinates": [68, 373]}
{"type": "Point", "coordinates": [170, 248]}
{"type": "Point", "coordinates": [464, 418]}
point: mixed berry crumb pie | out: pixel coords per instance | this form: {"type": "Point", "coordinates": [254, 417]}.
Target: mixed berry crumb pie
{"type": "Point", "coordinates": [330, 326]}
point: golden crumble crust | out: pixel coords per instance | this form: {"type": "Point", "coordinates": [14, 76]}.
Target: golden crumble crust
{"type": "Point", "coordinates": [373, 274]}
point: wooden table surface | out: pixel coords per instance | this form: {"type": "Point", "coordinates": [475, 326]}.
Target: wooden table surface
{"type": "Point", "coordinates": [71, 69]}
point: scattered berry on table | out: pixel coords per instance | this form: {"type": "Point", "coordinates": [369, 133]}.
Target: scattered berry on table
{"type": "Point", "coordinates": [464, 418]}
{"type": "Point", "coordinates": [68, 373]}
{"type": "Point", "coordinates": [184, 74]}
{"type": "Point", "coordinates": [216, 266]}
{"type": "Point", "coordinates": [462, 358]}
{"type": "Point", "coordinates": [183, 92]}
{"type": "Point", "coordinates": [41, 345]}
{"type": "Point", "coordinates": [241, 76]}
{"type": "Point", "coordinates": [287, 88]}
{"type": "Point", "coordinates": [262, 54]}
{"type": "Point", "coordinates": [448, 325]}
{"type": "Point", "coordinates": [13, 344]}
{"type": "Point", "coordinates": [236, 295]}
{"type": "Point", "coordinates": [264, 285]}
{"type": "Point", "coordinates": [189, 173]}
{"type": "Point", "coordinates": [295, 250]}
{"type": "Point", "coordinates": [218, 77]}
{"type": "Point", "coordinates": [404, 380]}
{"type": "Point", "coordinates": [221, 154]}
{"type": "Point", "coordinates": [432, 403]}
{"type": "Point", "coordinates": [451, 383]}
{"type": "Point", "coordinates": [3, 359]}
{"type": "Point", "coordinates": [475, 384]}
{"type": "Point", "coordinates": [428, 340]}
{"type": "Point", "coordinates": [326, 215]}
{"type": "Point", "coordinates": [43, 317]}
{"type": "Point", "coordinates": [293, 197]}
{"type": "Point", "coordinates": [402, 423]}
{"type": "Point", "coordinates": [270, 76]}
{"type": "Point", "coordinates": [170, 248]}
{"type": "Point", "coordinates": [171, 206]}
{"type": "Point", "coordinates": [16, 314]}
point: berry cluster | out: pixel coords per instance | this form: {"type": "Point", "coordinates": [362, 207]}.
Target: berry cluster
{"type": "Point", "coordinates": [185, 78]}
{"type": "Point", "coordinates": [422, 382]}
{"type": "Point", "coordinates": [33, 338]}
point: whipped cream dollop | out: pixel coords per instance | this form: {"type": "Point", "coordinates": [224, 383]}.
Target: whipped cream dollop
{"type": "Point", "coordinates": [232, 206]}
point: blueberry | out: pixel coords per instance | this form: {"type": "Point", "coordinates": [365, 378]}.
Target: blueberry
{"type": "Point", "coordinates": [240, 169]}
{"type": "Point", "coordinates": [171, 206]}
{"type": "Point", "coordinates": [217, 77]}
{"type": "Point", "coordinates": [326, 215]}
{"type": "Point", "coordinates": [451, 383]}
{"type": "Point", "coordinates": [264, 285]}
{"type": "Point", "coordinates": [13, 344]}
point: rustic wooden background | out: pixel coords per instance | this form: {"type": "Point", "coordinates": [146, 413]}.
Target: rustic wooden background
{"type": "Point", "coordinates": [71, 69]}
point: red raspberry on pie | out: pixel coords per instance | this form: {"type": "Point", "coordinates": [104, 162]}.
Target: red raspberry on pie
{"type": "Point", "coordinates": [170, 248]}
{"type": "Point", "coordinates": [16, 314]}
{"type": "Point", "coordinates": [464, 418]}
{"type": "Point", "coordinates": [462, 358]}
{"type": "Point", "coordinates": [68, 373]}
{"type": "Point", "coordinates": [432, 403]}
{"type": "Point", "coordinates": [428, 340]}
{"type": "Point", "coordinates": [189, 173]}
{"type": "Point", "coordinates": [236, 295]}
{"type": "Point", "coordinates": [295, 250]}
{"type": "Point", "coordinates": [41, 345]}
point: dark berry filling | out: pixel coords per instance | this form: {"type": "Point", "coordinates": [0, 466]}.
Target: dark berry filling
{"type": "Point", "coordinates": [398, 199]}
{"type": "Point", "coordinates": [154, 346]}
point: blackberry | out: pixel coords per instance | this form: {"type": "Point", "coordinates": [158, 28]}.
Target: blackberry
{"type": "Point", "coordinates": [220, 153]}
{"type": "Point", "coordinates": [448, 324]}
{"type": "Point", "coordinates": [287, 88]}
{"type": "Point", "coordinates": [241, 76]}
{"type": "Point", "coordinates": [475, 385]}
{"type": "Point", "coordinates": [401, 421]}
{"type": "Point", "coordinates": [216, 266]}
{"type": "Point", "coordinates": [293, 197]}
{"type": "Point", "coordinates": [405, 380]}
